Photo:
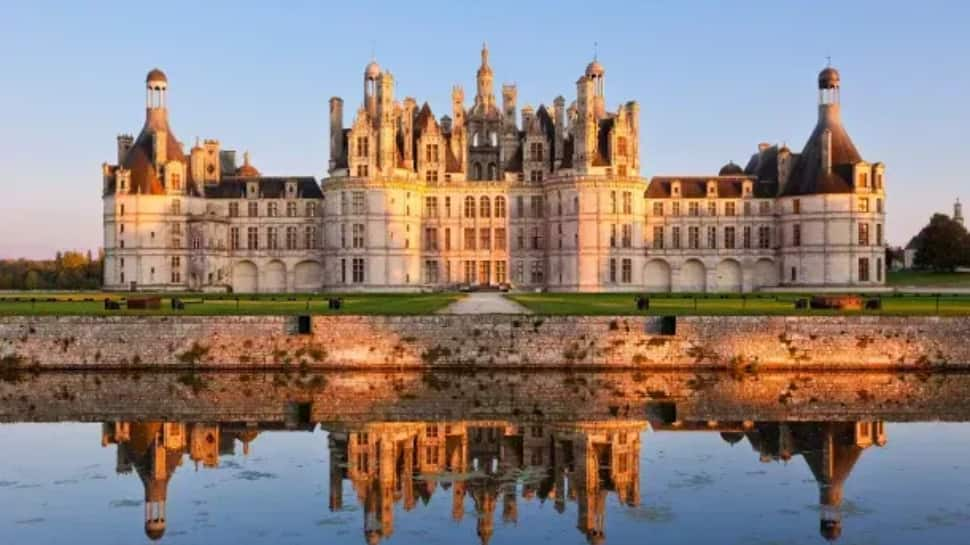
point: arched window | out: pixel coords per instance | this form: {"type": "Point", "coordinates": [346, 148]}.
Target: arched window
{"type": "Point", "coordinates": [469, 207]}
{"type": "Point", "coordinates": [484, 207]}
{"type": "Point", "coordinates": [475, 139]}
{"type": "Point", "coordinates": [492, 171]}
{"type": "Point", "coordinates": [499, 207]}
{"type": "Point", "coordinates": [493, 138]}
{"type": "Point", "coordinates": [477, 171]}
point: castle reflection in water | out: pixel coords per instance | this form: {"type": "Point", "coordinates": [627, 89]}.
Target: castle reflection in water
{"type": "Point", "coordinates": [397, 463]}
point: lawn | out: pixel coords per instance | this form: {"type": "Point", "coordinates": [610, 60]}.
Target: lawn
{"type": "Point", "coordinates": [92, 304]}
{"type": "Point", "coordinates": [716, 304]}
{"type": "Point", "coordinates": [928, 279]}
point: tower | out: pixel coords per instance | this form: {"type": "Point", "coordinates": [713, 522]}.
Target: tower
{"type": "Point", "coordinates": [958, 212]}
{"type": "Point", "coordinates": [484, 96]}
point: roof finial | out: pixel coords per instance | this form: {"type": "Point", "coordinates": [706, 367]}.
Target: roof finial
{"type": "Point", "coordinates": [595, 50]}
{"type": "Point", "coordinates": [484, 53]}
{"type": "Point", "coordinates": [828, 61]}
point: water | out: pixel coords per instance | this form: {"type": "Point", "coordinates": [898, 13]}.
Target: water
{"type": "Point", "coordinates": [415, 458]}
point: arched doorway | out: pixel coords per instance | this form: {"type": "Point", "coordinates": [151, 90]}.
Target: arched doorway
{"type": "Point", "coordinates": [693, 276]}
{"type": "Point", "coordinates": [656, 276]}
{"type": "Point", "coordinates": [307, 276]}
{"type": "Point", "coordinates": [729, 276]}
{"type": "Point", "coordinates": [244, 277]}
{"type": "Point", "coordinates": [765, 273]}
{"type": "Point", "coordinates": [274, 277]}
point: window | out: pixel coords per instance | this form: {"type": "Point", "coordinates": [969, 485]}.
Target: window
{"type": "Point", "coordinates": [500, 238]}
{"type": "Point", "coordinates": [291, 209]}
{"type": "Point", "coordinates": [177, 207]}
{"type": "Point", "coordinates": [469, 207]}
{"type": "Point", "coordinates": [612, 202]}
{"type": "Point", "coordinates": [363, 146]}
{"type": "Point", "coordinates": [176, 269]}
{"type": "Point", "coordinates": [764, 237]}
{"type": "Point", "coordinates": [272, 240]}
{"type": "Point", "coordinates": [233, 209]}
{"type": "Point", "coordinates": [177, 182]}
{"type": "Point", "coordinates": [252, 238]}
{"type": "Point", "coordinates": [309, 237]}
{"type": "Point", "coordinates": [612, 279]}
{"type": "Point", "coordinates": [485, 238]}
{"type": "Point", "coordinates": [343, 271]}
{"type": "Point", "coordinates": [358, 203]}
{"type": "Point", "coordinates": [469, 272]}
{"type": "Point", "coordinates": [121, 210]}
{"type": "Point", "coordinates": [863, 204]}
{"type": "Point", "coordinates": [796, 206]}
{"type": "Point", "coordinates": [500, 275]}
{"type": "Point", "coordinates": [535, 206]}
{"type": "Point", "coordinates": [431, 153]}
{"type": "Point", "coordinates": [447, 238]}
{"type": "Point", "coordinates": [863, 269]}
{"type": "Point", "coordinates": [863, 179]}
{"type": "Point", "coordinates": [431, 207]}
{"type": "Point", "coordinates": [535, 151]}
{"type": "Point", "coordinates": [431, 277]}
{"type": "Point", "coordinates": [746, 237]}
{"type": "Point", "coordinates": [362, 171]}
{"type": "Point", "coordinates": [729, 208]}
{"type": "Point", "coordinates": [358, 270]}
{"type": "Point", "coordinates": [431, 175]}
{"type": "Point", "coordinates": [878, 234]}
{"type": "Point", "coordinates": [291, 238]}
{"type": "Point", "coordinates": [764, 208]}
{"type": "Point", "coordinates": [693, 237]}
{"type": "Point", "coordinates": [343, 235]}
{"type": "Point", "coordinates": [693, 208]}
{"type": "Point", "coordinates": [613, 235]}
{"type": "Point", "coordinates": [878, 270]}
{"type": "Point", "coordinates": [658, 237]}
{"type": "Point", "coordinates": [447, 207]}
{"type": "Point", "coordinates": [711, 208]}
{"type": "Point", "coordinates": [879, 205]}
{"type": "Point", "coordinates": [712, 237]}
{"type": "Point", "coordinates": [272, 209]}
{"type": "Point", "coordinates": [675, 239]}
{"type": "Point", "coordinates": [234, 238]}
{"type": "Point", "coordinates": [863, 234]}
{"type": "Point", "coordinates": [627, 232]}
{"type": "Point", "coordinates": [484, 207]}
{"type": "Point", "coordinates": [626, 275]}
{"type": "Point", "coordinates": [518, 271]}
{"type": "Point", "coordinates": [535, 175]}
{"type": "Point", "coordinates": [621, 145]}
{"type": "Point", "coordinates": [121, 228]}
{"type": "Point", "coordinates": [796, 235]}
{"type": "Point", "coordinates": [499, 207]}
{"type": "Point", "coordinates": [658, 208]}
{"type": "Point", "coordinates": [747, 208]}
{"type": "Point", "coordinates": [729, 238]}
{"type": "Point", "coordinates": [794, 274]}
{"type": "Point", "coordinates": [675, 208]}
{"type": "Point", "coordinates": [519, 206]}
{"type": "Point", "coordinates": [357, 233]}
{"type": "Point", "coordinates": [253, 209]}
{"type": "Point", "coordinates": [627, 202]}
{"type": "Point", "coordinates": [520, 239]}
{"type": "Point", "coordinates": [537, 273]}
{"type": "Point", "coordinates": [311, 209]}
{"type": "Point", "coordinates": [469, 243]}
{"type": "Point", "coordinates": [537, 240]}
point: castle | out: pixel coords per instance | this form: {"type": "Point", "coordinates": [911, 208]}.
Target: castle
{"type": "Point", "coordinates": [549, 199]}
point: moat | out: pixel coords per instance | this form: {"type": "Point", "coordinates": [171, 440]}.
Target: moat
{"type": "Point", "coordinates": [503, 457]}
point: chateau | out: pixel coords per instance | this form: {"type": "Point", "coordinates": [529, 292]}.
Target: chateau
{"type": "Point", "coordinates": [549, 197]}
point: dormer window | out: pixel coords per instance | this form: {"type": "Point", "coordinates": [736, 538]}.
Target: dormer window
{"type": "Point", "coordinates": [176, 182]}
{"type": "Point", "coordinates": [711, 189]}
{"type": "Point", "coordinates": [864, 179]}
{"type": "Point", "coordinates": [675, 189]}
{"type": "Point", "coordinates": [291, 189]}
{"type": "Point", "coordinates": [746, 188]}
{"type": "Point", "coordinates": [252, 190]}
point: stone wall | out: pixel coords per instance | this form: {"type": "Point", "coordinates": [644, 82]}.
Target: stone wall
{"type": "Point", "coordinates": [603, 342]}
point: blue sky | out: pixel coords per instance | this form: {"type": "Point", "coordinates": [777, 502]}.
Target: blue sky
{"type": "Point", "coordinates": [713, 79]}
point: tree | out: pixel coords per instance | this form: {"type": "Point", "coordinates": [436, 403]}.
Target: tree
{"type": "Point", "coordinates": [943, 245]}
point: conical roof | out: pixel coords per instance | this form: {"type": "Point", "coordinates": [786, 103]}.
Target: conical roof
{"type": "Point", "coordinates": [808, 176]}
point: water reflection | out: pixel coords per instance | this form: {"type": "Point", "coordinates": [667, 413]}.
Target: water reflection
{"type": "Point", "coordinates": [397, 464]}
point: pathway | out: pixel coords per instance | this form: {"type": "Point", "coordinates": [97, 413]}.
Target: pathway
{"type": "Point", "coordinates": [486, 302]}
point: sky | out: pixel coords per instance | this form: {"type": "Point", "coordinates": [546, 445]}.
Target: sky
{"type": "Point", "coordinates": [713, 79]}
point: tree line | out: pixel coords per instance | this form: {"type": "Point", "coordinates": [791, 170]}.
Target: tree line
{"type": "Point", "coordinates": [943, 245]}
{"type": "Point", "coordinates": [68, 270]}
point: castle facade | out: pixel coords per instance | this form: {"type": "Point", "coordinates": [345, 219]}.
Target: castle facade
{"type": "Point", "coordinates": [546, 198]}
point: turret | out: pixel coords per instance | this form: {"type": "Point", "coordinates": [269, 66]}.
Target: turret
{"type": "Point", "coordinates": [371, 72]}
{"type": "Point", "coordinates": [509, 94]}
{"type": "Point", "coordinates": [485, 96]}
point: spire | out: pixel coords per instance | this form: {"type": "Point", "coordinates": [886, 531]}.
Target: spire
{"type": "Point", "coordinates": [485, 97]}
{"type": "Point", "coordinates": [484, 55]}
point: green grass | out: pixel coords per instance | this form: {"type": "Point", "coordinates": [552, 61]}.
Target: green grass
{"type": "Point", "coordinates": [715, 304]}
{"type": "Point", "coordinates": [928, 279]}
{"type": "Point", "coordinates": [74, 304]}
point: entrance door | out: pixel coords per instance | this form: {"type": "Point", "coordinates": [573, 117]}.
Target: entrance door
{"type": "Point", "coordinates": [484, 272]}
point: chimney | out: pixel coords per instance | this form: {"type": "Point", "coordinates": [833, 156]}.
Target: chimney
{"type": "Point", "coordinates": [336, 130]}
{"type": "Point", "coordinates": [125, 141]}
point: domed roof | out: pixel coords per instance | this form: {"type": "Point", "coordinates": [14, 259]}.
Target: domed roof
{"type": "Point", "coordinates": [731, 169]}
{"type": "Point", "coordinates": [154, 530]}
{"type": "Point", "coordinates": [247, 170]}
{"type": "Point", "coordinates": [372, 70]}
{"type": "Point", "coordinates": [595, 69]}
{"type": "Point", "coordinates": [156, 75]}
{"type": "Point", "coordinates": [828, 78]}
{"type": "Point", "coordinates": [732, 437]}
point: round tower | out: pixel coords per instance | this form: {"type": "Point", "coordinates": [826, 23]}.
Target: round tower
{"type": "Point", "coordinates": [371, 72]}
